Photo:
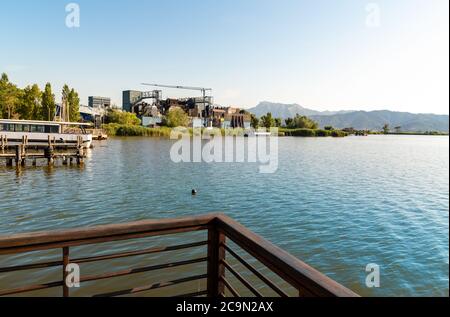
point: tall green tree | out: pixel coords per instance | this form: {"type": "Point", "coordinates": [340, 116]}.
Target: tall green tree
{"type": "Point", "coordinates": [254, 121]}
{"type": "Point", "coordinates": [386, 128]}
{"type": "Point", "coordinates": [289, 122]}
{"type": "Point", "coordinates": [9, 98]}
{"type": "Point", "coordinates": [65, 106]}
{"type": "Point", "coordinates": [267, 121]}
{"type": "Point", "coordinates": [278, 122]}
{"type": "Point", "coordinates": [48, 103]}
{"type": "Point", "coordinates": [30, 107]}
{"type": "Point", "coordinates": [73, 101]}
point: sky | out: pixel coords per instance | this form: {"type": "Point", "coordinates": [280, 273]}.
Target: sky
{"type": "Point", "coordinates": [321, 54]}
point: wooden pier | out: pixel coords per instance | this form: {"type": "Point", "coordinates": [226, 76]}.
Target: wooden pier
{"type": "Point", "coordinates": [20, 152]}
{"type": "Point", "coordinates": [219, 257]}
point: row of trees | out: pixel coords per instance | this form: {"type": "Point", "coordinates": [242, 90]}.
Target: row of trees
{"type": "Point", "coordinates": [31, 103]}
{"type": "Point", "coordinates": [298, 122]}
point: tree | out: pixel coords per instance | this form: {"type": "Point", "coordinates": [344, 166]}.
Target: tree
{"type": "Point", "coordinates": [254, 121]}
{"type": "Point", "coordinates": [124, 118]}
{"type": "Point", "coordinates": [289, 122]}
{"type": "Point", "coordinates": [73, 101]}
{"type": "Point", "coordinates": [267, 121]}
{"type": "Point", "coordinates": [30, 103]}
{"type": "Point", "coordinates": [9, 97]}
{"type": "Point", "coordinates": [65, 106]}
{"type": "Point", "coordinates": [301, 122]}
{"type": "Point", "coordinates": [329, 128]}
{"type": "Point", "coordinates": [177, 118]}
{"type": "Point", "coordinates": [48, 103]}
{"type": "Point", "coordinates": [398, 129]}
{"type": "Point", "coordinates": [278, 122]}
{"type": "Point", "coordinates": [386, 128]}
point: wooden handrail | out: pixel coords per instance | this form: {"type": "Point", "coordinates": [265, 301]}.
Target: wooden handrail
{"type": "Point", "coordinates": [111, 232]}
{"type": "Point", "coordinates": [297, 273]}
{"type": "Point", "coordinates": [308, 281]}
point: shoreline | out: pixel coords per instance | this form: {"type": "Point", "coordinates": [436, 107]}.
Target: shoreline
{"type": "Point", "coordinates": [123, 130]}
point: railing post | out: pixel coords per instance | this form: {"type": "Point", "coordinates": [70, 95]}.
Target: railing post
{"type": "Point", "coordinates": [216, 269]}
{"type": "Point", "coordinates": [65, 273]}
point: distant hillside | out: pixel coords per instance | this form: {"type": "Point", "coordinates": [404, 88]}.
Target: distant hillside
{"type": "Point", "coordinates": [284, 111]}
{"type": "Point", "coordinates": [375, 120]}
{"type": "Point", "coordinates": [361, 120]}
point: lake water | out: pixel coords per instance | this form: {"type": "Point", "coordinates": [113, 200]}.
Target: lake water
{"type": "Point", "coordinates": [337, 204]}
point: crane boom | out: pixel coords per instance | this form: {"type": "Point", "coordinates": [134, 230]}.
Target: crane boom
{"type": "Point", "coordinates": [178, 87]}
{"type": "Point", "coordinates": [203, 90]}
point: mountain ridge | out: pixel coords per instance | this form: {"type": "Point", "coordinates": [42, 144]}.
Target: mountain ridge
{"type": "Point", "coordinates": [359, 119]}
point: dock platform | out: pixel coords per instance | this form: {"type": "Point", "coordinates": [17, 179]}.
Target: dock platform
{"type": "Point", "coordinates": [20, 152]}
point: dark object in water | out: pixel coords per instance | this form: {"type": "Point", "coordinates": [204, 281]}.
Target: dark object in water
{"type": "Point", "coordinates": [194, 192]}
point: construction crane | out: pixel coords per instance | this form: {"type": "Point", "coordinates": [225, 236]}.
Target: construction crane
{"type": "Point", "coordinates": [203, 90]}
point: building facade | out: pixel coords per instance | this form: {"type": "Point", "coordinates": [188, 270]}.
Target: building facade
{"type": "Point", "coordinates": [129, 99]}
{"type": "Point", "coordinates": [99, 102]}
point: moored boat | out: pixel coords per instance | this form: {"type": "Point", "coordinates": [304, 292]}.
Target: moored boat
{"type": "Point", "coordinates": [38, 132]}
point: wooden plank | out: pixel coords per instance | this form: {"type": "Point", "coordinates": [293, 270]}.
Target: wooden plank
{"type": "Point", "coordinates": [45, 237]}
{"type": "Point", "coordinates": [288, 267]}
{"type": "Point", "coordinates": [72, 243]}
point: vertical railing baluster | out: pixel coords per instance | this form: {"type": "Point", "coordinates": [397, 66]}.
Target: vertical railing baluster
{"type": "Point", "coordinates": [65, 273]}
{"type": "Point", "coordinates": [216, 269]}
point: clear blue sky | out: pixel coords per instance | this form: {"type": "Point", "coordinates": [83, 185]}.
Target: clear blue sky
{"type": "Point", "coordinates": [318, 53]}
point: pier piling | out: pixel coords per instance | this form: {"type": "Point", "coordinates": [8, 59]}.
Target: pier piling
{"type": "Point", "coordinates": [19, 151]}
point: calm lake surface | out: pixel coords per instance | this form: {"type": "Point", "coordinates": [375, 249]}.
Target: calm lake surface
{"type": "Point", "coordinates": [337, 204]}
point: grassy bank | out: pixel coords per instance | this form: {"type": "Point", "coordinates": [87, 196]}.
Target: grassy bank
{"type": "Point", "coordinates": [313, 133]}
{"type": "Point", "coordinates": [114, 129]}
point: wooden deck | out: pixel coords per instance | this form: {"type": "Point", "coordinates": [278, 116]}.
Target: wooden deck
{"type": "Point", "coordinates": [306, 280]}
{"type": "Point", "coordinates": [21, 151]}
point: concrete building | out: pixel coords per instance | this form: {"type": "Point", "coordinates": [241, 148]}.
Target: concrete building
{"type": "Point", "coordinates": [226, 118]}
{"type": "Point", "coordinates": [129, 99]}
{"type": "Point", "coordinates": [99, 102]}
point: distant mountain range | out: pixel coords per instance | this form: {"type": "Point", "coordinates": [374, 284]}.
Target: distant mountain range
{"type": "Point", "coordinates": [361, 120]}
{"type": "Point", "coordinates": [284, 111]}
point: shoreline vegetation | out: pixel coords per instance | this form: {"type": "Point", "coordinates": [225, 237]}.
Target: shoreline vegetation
{"type": "Point", "coordinates": [127, 130]}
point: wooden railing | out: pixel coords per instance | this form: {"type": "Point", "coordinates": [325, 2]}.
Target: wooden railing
{"type": "Point", "coordinates": [306, 280]}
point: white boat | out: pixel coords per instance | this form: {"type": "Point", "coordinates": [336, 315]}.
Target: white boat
{"type": "Point", "coordinates": [38, 132]}
{"type": "Point", "coordinates": [256, 133]}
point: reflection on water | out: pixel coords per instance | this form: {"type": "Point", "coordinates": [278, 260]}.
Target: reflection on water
{"type": "Point", "coordinates": [337, 204]}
